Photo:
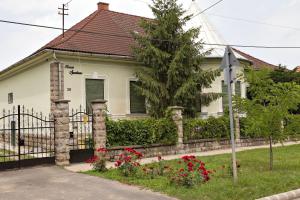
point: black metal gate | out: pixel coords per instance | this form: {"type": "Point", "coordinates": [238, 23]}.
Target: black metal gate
{"type": "Point", "coordinates": [81, 135]}
{"type": "Point", "coordinates": [26, 139]}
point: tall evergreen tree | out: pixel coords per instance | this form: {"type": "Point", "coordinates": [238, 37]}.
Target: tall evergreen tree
{"type": "Point", "coordinates": [172, 74]}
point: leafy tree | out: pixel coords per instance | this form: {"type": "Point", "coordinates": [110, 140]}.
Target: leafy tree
{"type": "Point", "coordinates": [283, 75]}
{"type": "Point", "coordinates": [172, 58]}
{"type": "Point", "coordinates": [268, 107]}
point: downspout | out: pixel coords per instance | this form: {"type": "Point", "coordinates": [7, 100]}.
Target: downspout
{"type": "Point", "coordinates": [59, 81]}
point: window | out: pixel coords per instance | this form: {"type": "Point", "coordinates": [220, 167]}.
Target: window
{"type": "Point", "coordinates": [225, 95]}
{"type": "Point", "coordinates": [137, 101]}
{"type": "Point", "coordinates": [94, 89]}
{"type": "Point", "coordinates": [10, 98]}
{"type": "Point", "coordinates": [238, 91]}
{"type": "Point", "coordinates": [198, 105]}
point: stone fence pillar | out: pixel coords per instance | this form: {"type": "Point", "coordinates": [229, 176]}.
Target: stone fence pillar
{"type": "Point", "coordinates": [99, 127]}
{"type": "Point", "coordinates": [61, 115]}
{"type": "Point", "coordinates": [56, 83]}
{"type": "Point", "coordinates": [176, 113]}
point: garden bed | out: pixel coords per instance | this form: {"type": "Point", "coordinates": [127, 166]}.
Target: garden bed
{"type": "Point", "coordinates": [255, 179]}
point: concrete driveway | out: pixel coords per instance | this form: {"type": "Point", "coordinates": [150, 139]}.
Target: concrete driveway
{"type": "Point", "coordinates": [54, 183]}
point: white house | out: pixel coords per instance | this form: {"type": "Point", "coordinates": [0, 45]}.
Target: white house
{"type": "Point", "coordinates": [94, 61]}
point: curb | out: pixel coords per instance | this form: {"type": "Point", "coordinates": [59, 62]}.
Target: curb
{"type": "Point", "coordinates": [292, 195]}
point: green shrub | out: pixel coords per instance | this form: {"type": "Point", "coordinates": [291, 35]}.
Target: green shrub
{"type": "Point", "coordinates": [211, 128]}
{"type": "Point", "coordinates": [293, 125]}
{"type": "Point", "coordinates": [141, 132]}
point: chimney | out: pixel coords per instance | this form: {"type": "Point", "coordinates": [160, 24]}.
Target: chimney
{"type": "Point", "coordinates": [103, 6]}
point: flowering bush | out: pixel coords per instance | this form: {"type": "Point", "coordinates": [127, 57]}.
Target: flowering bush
{"type": "Point", "coordinates": [192, 172]}
{"type": "Point", "coordinates": [99, 162]}
{"type": "Point", "coordinates": [128, 162]}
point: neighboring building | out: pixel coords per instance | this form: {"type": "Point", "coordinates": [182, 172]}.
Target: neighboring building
{"type": "Point", "coordinates": [257, 63]}
{"type": "Point", "coordinates": [96, 63]}
{"type": "Point", "coordinates": [297, 69]}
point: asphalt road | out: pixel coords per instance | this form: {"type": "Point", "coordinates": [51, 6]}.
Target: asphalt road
{"type": "Point", "coordinates": [54, 183]}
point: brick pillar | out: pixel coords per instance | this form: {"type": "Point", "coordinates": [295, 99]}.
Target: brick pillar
{"type": "Point", "coordinates": [62, 151]}
{"type": "Point", "coordinates": [99, 127]}
{"type": "Point", "coordinates": [176, 113]}
{"type": "Point", "coordinates": [56, 83]}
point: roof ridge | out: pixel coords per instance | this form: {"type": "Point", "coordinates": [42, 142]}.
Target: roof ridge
{"type": "Point", "coordinates": [92, 16]}
{"type": "Point", "coordinates": [138, 16]}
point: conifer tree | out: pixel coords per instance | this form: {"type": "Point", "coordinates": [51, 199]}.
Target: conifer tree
{"type": "Point", "coordinates": [172, 73]}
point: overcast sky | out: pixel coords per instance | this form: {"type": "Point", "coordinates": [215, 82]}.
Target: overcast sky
{"type": "Point", "coordinates": [17, 42]}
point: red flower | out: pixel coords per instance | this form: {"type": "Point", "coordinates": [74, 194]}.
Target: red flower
{"type": "Point", "coordinates": [183, 175]}
{"type": "Point", "coordinates": [181, 170]}
{"type": "Point", "coordinates": [92, 159]}
{"type": "Point", "coordinates": [205, 173]}
{"type": "Point", "coordinates": [188, 158]}
{"type": "Point", "coordinates": [118, 163]}
{"type": "Point", "coordinates": [190, 169]}
{"type": "Point", "coordinates": [190, 164]}
{"type": "Point", "coordinates": [128, 159]}
{"type": "Point", "coordinates": [130, 150]}
{"type": "Point", "coordinates": [138, 154]}
{"type": "Point", "coordinates": [103, 150]}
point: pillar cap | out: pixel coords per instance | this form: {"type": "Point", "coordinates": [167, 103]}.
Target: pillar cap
{"type": "Point", "coordinates": [62, 101]}
{"type": "Point", "coordinates": [176, 107]}
{"type": "Point", "coordinates": [98, 101]}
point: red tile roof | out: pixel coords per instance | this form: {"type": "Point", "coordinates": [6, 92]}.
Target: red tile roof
{"type": "Point", "coordinates": [109, 33]}
{"type": "Point", "coordinates": [256, 63]}
{"type": "Point", "coordinates": [103, 32]}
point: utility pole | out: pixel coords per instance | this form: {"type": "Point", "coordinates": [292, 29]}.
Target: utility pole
{"type": "Point", "coordinates": [62, 11]}
{"type": "Point", "coordinates": [229, 64]}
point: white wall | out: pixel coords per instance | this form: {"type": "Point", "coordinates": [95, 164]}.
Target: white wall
{"type": "Point", "coordinates": [117, 76]}
{"type": "Point", "coordinates": [216, 107]}
{"type": "Point", "coordinates": [30, 88]}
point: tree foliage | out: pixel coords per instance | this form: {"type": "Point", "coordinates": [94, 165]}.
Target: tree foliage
{"type": "Point", "coordinates": [269, 106]}
{"type": "Point", "coordinates": [283, 75]}
{"type": "Point", "coordinates": [172, 58]}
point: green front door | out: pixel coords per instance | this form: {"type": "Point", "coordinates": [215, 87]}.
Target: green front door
{"type": "Point", "coordinates": [94, 90]}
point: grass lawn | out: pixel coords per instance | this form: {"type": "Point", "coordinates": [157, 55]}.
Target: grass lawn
{"type": "Point", "coordinates": [255, 179]}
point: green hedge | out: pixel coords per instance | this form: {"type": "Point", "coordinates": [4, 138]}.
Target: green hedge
{"type": "Point", "coordinates": [141, 132]}
{"type": "Point", "coordinates": [211, 128]}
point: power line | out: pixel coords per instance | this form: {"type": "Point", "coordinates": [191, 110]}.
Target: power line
{"type": "Point", "coordinates": [68, 2]}
{"type": "Point", "coordinates": [213, 5]}
{"type": "Point", "coordinates": [254, 21]}
{"type": "Point", "coordinates": [126, 36]}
